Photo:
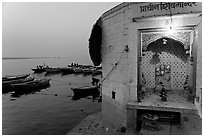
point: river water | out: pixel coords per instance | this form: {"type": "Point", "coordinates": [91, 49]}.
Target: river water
{"type": "Point", "coordinates": [50, 111]}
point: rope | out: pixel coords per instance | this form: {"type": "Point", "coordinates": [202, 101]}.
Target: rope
{"type": "Point", "coordinates": [113, 69]}
{"type": "Point", "coordinates": [172, 23]}
{"type": "Point", "coordinates": [114, 66]}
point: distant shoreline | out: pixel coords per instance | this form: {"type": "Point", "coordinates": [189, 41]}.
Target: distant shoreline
{"type": "Point", "coordinates": [6, 58]}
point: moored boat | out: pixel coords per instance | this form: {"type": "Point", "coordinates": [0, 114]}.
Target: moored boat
{"type": "Point", "coordinates": [87, 71]}
{"type": "Point", "coordinates": [6, 85]}
{"type": "Point", "coordinates": [96, 72]}
{"type": "Point", "coordinates": [52, 70]}
{"type": "Point", "coordinates": [14, 77]}
{"type": "Point", "coordinates": [98, 68]}
{"type": "Point", "coordinates": [85, 91]}
{"type": "Point", "coordinates": [30, 86]}
{"type": "Point", "coordinates": [38, 70]}
{"type": "Point", "coordinates": [67, 70]}
{"type": "Point", "coordinates": [78, 70]}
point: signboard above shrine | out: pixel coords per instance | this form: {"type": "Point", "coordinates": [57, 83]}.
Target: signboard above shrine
{"type": "Point", "coordinates": [165, 8]}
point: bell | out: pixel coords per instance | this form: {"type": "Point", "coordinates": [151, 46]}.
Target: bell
{"type": "Point", "coordinates": [164, 42]}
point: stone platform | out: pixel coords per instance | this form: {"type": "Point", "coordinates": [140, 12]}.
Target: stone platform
{"type": "Point", "coordinates": [94, 125]}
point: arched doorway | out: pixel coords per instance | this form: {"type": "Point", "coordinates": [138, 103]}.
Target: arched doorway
{"type": "Point", "coordinates": [165, 60]}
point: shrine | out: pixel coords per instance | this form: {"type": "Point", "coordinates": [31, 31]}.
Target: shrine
{"type": "Point", "coordinates": [151, 57]}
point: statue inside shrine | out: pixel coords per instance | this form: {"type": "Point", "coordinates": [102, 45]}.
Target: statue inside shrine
{"type": "Point", "coordinates": [163, 75]}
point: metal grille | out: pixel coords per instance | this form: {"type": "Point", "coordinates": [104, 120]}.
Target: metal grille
{"type": "Point", "coordinates": [168, 53]}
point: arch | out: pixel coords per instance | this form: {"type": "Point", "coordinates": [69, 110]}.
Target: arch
{"type": "Point", "coordinates": [183, 37]}
{"type": "Point", "coordinates": [165, 37]}
{"type": "Point", "coordinates": [168, 45]}
{"type": "Point", "coordinates": [172, 53]}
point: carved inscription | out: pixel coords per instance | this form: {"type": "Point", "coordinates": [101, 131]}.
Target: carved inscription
{"type": "Point", "coordinates": [166, 6]}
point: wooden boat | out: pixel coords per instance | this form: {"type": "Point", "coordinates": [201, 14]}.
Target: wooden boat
{"type": "Point", "coordinates": [31, 86]}
{"type": "Point", "coordinates": [78, 70]}
{"type": "Point", "coordinates": [14, 77]}
{"type": "Point", "coordinates": [19, 80]}
{"type": "Point", "coordinates": [67, 70]}
{"type": "Point", "coordinates": [38, 70]}
{"type": "Point", "coordinates": [98, 68]}
{"type": "Point", "coordinates": [52, 70]}
{"type": "Point", "coordinates": [6, 85]}
{"type": "Point", "coordinates": [85, 91]}
{"type": "Point", "coordinates": [87, 71]}
{"type": "Point", "coordinates": [96, 72]}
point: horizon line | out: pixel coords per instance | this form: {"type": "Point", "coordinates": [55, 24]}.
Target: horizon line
{"type": "Point", "coordinates": [29, 57]}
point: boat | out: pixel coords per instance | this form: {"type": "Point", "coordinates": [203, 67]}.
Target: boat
{"type": "Point", "coordinates": [31, 86]}
{"type": "Point", "coordinates": [40, 68]}
{"type": "Point", "coordinates": [14, 77]}
{"type": "Point", "coordinates": [22, 80]}
{"type": "Point", "coordinates": [52, 71]}
{"type": "Point", "coordinates": [6, 85]}
{"type": "Point", "coordinates": [87, 71]}
{"type": "Point", "coordinates": [78, 70]}
{"type": "Point", "coordinates": [96, 72]}
{"type": "Point", "coordinates": [85, 91]}
{"type": "Point", "coordinates": [98, 68]}
{"type": "Point", "coordinates": [67, 70]}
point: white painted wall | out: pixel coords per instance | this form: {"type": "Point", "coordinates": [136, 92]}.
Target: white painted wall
{"type": "Point", "coordinates": [119, 30]}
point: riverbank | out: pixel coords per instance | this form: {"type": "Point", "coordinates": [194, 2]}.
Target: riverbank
{"type": "Point", "coordinates": [93, 125]}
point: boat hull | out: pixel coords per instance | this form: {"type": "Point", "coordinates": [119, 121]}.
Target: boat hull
{"type": "Point", "coordinates": [52, 71]}
{"type": "Point", "coordinates": [85, 91]}
{"type": "Point", "coordinates": [14, 77]}
{"type": "Point", "coordinates": [38, 70]}
{"type": "Point", "coordinates": [67, 70]}
{"type": "Point", "coordinates": [31, 86]}
{"type": "Point", "coordinates": [78, 71]}
{"type": "Point", "coordinates": [96, 72]}
{"type": "Point", "coordinates": [6, 85]}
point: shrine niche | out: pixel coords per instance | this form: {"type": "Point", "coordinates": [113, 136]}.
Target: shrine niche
{"type": "Point", "coordinates": [165, 59]}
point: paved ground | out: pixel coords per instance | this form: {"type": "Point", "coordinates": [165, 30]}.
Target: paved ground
{"type": "Point", "coordinates": [93, 125]}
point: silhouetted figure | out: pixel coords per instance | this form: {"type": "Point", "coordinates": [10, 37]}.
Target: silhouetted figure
{"type": "Point", "coordinates": [94, 81]}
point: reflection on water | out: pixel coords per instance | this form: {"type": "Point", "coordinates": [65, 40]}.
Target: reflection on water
{"type": "Point", "coordinates": [50, 111]}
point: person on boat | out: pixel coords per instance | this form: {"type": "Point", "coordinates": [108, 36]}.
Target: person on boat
{"type": "Point", "coordinates": [95, 81]}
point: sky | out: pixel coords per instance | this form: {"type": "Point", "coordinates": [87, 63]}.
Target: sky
{"type": "Point", "coordinates": [49, 29]}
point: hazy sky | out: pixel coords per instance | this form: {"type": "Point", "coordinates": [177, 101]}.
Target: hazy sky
{"type": "Point", "coordinates": [49, 29]}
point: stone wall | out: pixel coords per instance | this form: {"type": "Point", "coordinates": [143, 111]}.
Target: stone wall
{"type": "Point", "coordinates": [198, 39]}
{"type": "Point", "coordinates": [115, 64]}
{"type": "Point", "coordinates": [121, 28]}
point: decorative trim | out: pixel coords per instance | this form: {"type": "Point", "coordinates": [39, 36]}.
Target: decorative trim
{"type": "Point", "coordinates": [184, 37]}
